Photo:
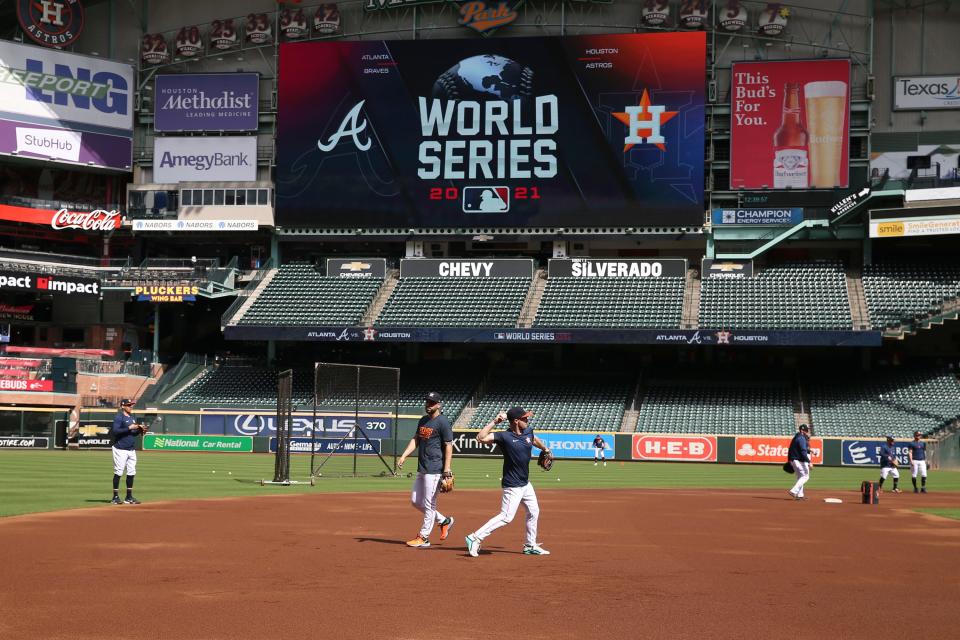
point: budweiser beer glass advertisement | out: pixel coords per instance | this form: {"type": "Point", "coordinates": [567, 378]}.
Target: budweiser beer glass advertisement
{"type": "Point", "coordinates": [789, 124]}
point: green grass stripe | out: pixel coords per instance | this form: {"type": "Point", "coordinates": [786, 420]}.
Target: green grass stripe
{"type": "Point", "coordinates": [946, 513]}
{"type": "Point", "coordinates": [34, 481]}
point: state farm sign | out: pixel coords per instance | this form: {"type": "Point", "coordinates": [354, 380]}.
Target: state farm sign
{"type": "Point", "coordinates": [773, 449]}
{"type": "Point", "coordinates": [26, 385]}
{"type": "Point", "coordinates": [97, 220]}
{"type": "Point", "coordinates": [675, 448]}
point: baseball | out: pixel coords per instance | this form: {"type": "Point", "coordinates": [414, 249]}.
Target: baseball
{"type": "Point", "coordinates": [213, 471]}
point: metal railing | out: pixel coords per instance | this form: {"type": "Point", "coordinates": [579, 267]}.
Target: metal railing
{"type": "Point", "coordinates": [248, 291]}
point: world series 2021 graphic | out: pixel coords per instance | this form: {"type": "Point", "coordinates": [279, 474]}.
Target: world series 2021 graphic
{"type": "Point", "coordinates": [575, 131]}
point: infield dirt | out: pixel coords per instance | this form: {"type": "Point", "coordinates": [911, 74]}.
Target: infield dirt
{"type": "Point", "coordinates": [625, 563]}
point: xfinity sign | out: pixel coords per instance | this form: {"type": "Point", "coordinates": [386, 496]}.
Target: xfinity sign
{"type": "Point", "coordinates": [926, 92]}
{"type": "Point", "coordinates": [215, 159]}
{"type": "Point", "coordinates": [207, 102]}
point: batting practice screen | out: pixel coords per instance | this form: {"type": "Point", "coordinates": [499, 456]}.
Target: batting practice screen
{"type": "Point", "coordinates": [571, 131]}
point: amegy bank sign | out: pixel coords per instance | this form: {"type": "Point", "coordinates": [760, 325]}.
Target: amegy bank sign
{"type": "Point", "coordinates": [205, 159]}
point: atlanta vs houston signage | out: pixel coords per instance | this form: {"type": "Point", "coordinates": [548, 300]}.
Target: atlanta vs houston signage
{"type": "Point", "coordinates": [577, 131]}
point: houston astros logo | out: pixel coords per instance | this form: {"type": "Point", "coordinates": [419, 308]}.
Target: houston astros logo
{"type": "Point", "coordinates": [723, 337]}
{"type": "Point", "coordinates": [349, 126]}
{"type": "Point", "coordinates": [54, 23]}
{"type": "Point", "coordinates": [644, 130]}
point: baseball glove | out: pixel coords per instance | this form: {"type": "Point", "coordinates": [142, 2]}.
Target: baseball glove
{"type": "Point", "coordinates": [788, 467]}
{"type": "Point", "coordinates": [545, 460]}
{"type": "Point", "coordinates": [446, 482]}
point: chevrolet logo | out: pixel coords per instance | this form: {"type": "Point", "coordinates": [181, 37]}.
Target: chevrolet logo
{"type": "Point", "coordinates": [91, 430]}
{"type": "Point", "coordinates": [355, 266]}
{"type": "Point", "coordinates": [726, 267]}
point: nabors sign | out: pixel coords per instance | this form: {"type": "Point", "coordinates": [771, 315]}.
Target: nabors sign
{"type": "Point", "coordinates": [97, 220]}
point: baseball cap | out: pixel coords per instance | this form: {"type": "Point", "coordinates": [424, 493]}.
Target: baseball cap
{"type": "Point", "coordinates": [433, 396]}
{"type": "Point", "coordinates": [127, 402]}
{"type": "Point", "coordinates": [917, 433]}
{"type": "Point", "coordinates": [516, 413]}
{"type": "Point", "coordinates": [804, 427]}
{"type": "Point", "coordinates": [889, 437]}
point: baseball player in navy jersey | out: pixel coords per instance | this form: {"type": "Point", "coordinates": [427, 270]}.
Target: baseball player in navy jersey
{"type": "Point", "coordinates": [917, 452]}
{"type": "Point", "coordinates": [434, 442]}
{"type": "Point", "coordinates": [799, 456]}
{"type": "Point", "coordinates": [124, 433]}
{"type": "Point", "coordinates": [599, 450]}
{"type": "Point", "coordinates": [888, 464]}
{"type": "Point", "coordinates": [516, 443]}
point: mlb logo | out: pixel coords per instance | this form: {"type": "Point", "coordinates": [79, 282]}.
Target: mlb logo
{"type": "Point", "coordinates": [486, 199]}
{"type": "Point", "coordinates": [729, 216]}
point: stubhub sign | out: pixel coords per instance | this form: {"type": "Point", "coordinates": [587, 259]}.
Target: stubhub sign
{"type": "Point", "coordinates": [65, 107]}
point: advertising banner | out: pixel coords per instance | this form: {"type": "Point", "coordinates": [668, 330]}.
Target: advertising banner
{"type": "Point", "coordinates": [675, 448]}
{"type": "Point", "coordinates": [465, 444]}
{"type": "Point", "coordinates": [699, 337]}
{"type": "Point", "coordinates": [205, 159]}
{"type": "Point", "coordinates": [4, 333]}
{"type": "Point", "coordinates": [789, 124]}
{"type": "Point", "coordinates": [494, 268]}
{"type": "Point", "coordinates": [67, 285]}
{"type": "Point", "coordinates": [572, 445]}
{"type": "Point", "coordinates": [786, 216]}
{"type": "Point", "coordinates": [736, 269]}
{"type": "Point", "coordinates": [8, 442]}
{"type": "Point", "coordinates": [166, 293]}
{"type": "Point", "coordinates": [195, 225]}
{"type": "Point", "coordinates": [234, 444]}
{"type": "Point", "coordinates": [264, 424]}
{"type": "Point", "coordinates": [915, 226]}
{"type": "Point", "coordinates": [772, 449]}
{"type": "Point", "coordinates": [41, 386]}
{"type": "Point", "coordinates": [573, 131]}
{"type": "Point", "coordinates": [16, 311]}
{"type": "Point", "coordinates": [357, 268]}
{"type": "Point", "coordinates": [65, 107]}
{"type": "Point", "coordinates": [207, 102]}
{"type": "Point", "coordinates": [616, 268]}
{"type": "Point", "coordinates": [867, 452]}
{"type": "Point", "coordinates": [330, 445]}
{"type": "Point", "coordinates": [915, 93]}
{"type": "Point", "coordinates": [90, 434]}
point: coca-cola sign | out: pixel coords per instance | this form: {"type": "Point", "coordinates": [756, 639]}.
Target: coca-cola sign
{"type": "Point", "coordinates": [97, 220]}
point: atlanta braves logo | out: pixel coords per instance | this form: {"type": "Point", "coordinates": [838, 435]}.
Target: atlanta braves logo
{"type": "Point", "coordinates": [349, 126]}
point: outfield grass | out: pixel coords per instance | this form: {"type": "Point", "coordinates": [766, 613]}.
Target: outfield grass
{"type": "Point", "coordinates": [946, 513]}
{"type": "Point", "coordinates": [34, 481]}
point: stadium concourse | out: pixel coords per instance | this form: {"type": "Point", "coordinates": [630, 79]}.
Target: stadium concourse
{"type": "Point", "coordinates": [679, 229]}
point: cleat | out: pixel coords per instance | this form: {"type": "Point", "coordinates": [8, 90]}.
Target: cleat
{"type": "Point", "coordinates": [915, 490]}
{"type": "Point", "coordinates": [924, 490]}
{"type": "Point", "coordinates": [116, 500]}
{"type": "Point", "coordinates": [419, 543]}
{"type": "Point", "coordinates": [534, 550]}
{"type": "Point", "coordinates": [896, 491]}
{"type": "Point", "coordinates": [131, 500]}
{"type": "Point", "coordinates": [473, 546]}
{"type": "Point", "coordinates": [445, 527]}
{"type": "Point", "coordinates": [792, 494]}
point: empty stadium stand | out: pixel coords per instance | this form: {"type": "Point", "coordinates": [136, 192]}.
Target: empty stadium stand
{"type": "Point", "coordinates": [233, 385]}
{"type": "Point", "coordinates": [898, 293]}
{"type": "Point", "coordinates": [447, 302]}
{"type": "Point", "coordinates": [568, 403]}
{"type": "Point", "coordinates": [885, 403]}
{"type": "Point", "coordinates": [635, 303]}
{"type": "Point", "coordinates": [799, 296]}
{"type": "Point", "coordinates": [299, 296]}
{"type": "Point", "coordinates": [717, 408]}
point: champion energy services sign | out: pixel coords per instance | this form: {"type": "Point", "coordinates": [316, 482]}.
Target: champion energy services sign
{"type": "Point", "coordinates": [65, 107]}
{"type": "Point", "coordinates": [207, 102]}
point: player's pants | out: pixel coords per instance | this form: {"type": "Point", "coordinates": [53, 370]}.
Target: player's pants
{"type": "Point", "coordinates": [599, 453]}
{"type": "Point", "coordinates": [124, 458]}
{"type": "Point", "coordinates": [426, 490]}
{"type": "Point", "coordinates": [512, 497]}
{"type": "Point", "coordinates": [802, 470]}
{"type": "Point", "coordinates": [918, 466]}
{"type": "Point", "coordinates": [889, 471]}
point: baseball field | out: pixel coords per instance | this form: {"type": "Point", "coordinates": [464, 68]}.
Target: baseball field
{"type": "Point", "coordinates": [638, 550]}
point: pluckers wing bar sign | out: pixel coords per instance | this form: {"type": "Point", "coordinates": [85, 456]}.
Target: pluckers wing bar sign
{"type": "Point", "coordinates": [166, 292]}
{"type": "Point", "coordinates": [577, 131]}
{"type": "Point", "coordinates": [52, 23]}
